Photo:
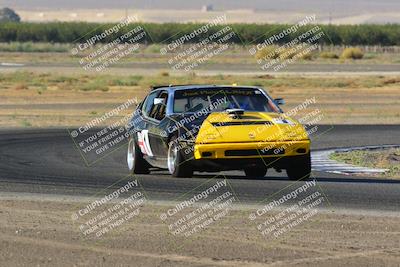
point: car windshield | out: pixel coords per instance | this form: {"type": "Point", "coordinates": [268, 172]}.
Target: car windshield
{"type": "Point", "coordinates": [214, 100]}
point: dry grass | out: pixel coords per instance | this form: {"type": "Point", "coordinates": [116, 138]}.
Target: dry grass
{"type": "Point", "coordinates": [385, 159]}
{"type": "Point", "coordinates": [103, 82]}
{"type": "Point", "coordinates": [328, 55]}
{"type": "Point", "coordinates": [352, 53]}
{"type": "Point", "coordinates": [151, 54]}
{"type": "Point", "coordinates": [42, 99]}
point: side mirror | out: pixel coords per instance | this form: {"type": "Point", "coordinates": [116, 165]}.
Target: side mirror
{"type": "Point", "coordinates": [279, 101]}
{"type": "Point", "coordinates": [159, 101]}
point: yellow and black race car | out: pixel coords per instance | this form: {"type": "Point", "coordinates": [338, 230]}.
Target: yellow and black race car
{"type": "Point", "coordinates": [209, 128]}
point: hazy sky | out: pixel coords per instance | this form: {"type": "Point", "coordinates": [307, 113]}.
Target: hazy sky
{"type": "Point", "coordinates": [346, 6]}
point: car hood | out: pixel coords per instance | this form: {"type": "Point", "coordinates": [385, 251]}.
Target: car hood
{"type": "Point", "coordinates": [221, 127]}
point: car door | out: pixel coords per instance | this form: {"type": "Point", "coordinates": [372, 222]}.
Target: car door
{"type": "Point", "coordinates": [157, 126]}
{"type": "Point", "coordinates": [145, 143]}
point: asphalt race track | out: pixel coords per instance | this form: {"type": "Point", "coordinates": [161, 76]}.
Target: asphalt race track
{"type": "Point", "coordinates": [45, 161]}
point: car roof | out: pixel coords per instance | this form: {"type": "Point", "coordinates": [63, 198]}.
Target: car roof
{"type": "Point", "coordinates": [198, 86]}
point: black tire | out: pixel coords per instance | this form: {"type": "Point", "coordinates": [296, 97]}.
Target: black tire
{"type": "Point", "coordinates": [255, 172]}
{"type": "Point", "coordinates": [134, 158]}
{"type": "Point", "coordinates": [177, 165]}
{"type": "Point", "coordinates": [300, 167]}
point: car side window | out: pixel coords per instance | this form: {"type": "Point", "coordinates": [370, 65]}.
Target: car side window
{"type": "Point", "coordinates": [162, 107]}
{"type": "Point", "coordinates": [148, 106]}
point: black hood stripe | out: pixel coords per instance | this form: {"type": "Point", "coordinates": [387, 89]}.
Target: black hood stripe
{"type": "Point", "coordinates": [236, 123]}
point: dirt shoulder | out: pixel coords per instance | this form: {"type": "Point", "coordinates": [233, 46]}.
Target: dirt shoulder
{"type": "Point", "coordinates": [47, 235]}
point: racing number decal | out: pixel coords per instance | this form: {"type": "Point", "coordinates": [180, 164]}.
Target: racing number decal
{"type": "Point", "coordinates": [143, 142]}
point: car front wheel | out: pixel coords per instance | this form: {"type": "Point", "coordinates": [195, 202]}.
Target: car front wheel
{"type": "Point", "coordinates": [177, 165]}
{"type": "Point", "coordinates": [300, 167]}
{"type": "Point", "coordinates": [255, 172]}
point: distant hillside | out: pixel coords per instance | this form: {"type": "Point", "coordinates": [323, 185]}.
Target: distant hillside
{"type": "Point", "coordinates": [336, 6]}
{"type": "Point", "coordinates": [250, 11]}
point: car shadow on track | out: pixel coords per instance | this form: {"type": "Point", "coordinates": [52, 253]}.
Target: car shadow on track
{"type": "Point", "coordinates": [320, 177]}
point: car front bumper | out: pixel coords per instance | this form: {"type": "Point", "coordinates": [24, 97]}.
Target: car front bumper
{"type": "Point", "coordinates": [251, 150]}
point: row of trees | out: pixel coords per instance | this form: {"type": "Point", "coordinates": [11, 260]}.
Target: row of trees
{"type": "Point", "coordinates": [79, 32]}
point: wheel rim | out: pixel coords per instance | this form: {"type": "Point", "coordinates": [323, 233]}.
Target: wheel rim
{"type": "Point", "coordinates": [130, 158]}
{"type": "Point", "coordinates": [172, 157]}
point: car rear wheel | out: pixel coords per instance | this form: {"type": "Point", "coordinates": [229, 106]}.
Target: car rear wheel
{"type": "Point", "coordinates": [177, 165]}
{"type": "Point", "coordinates": [255, 172]}
{"type": "Point", "coordinates": [134, 158]}
{"type": "Point", "coordinates": [300, 168]}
